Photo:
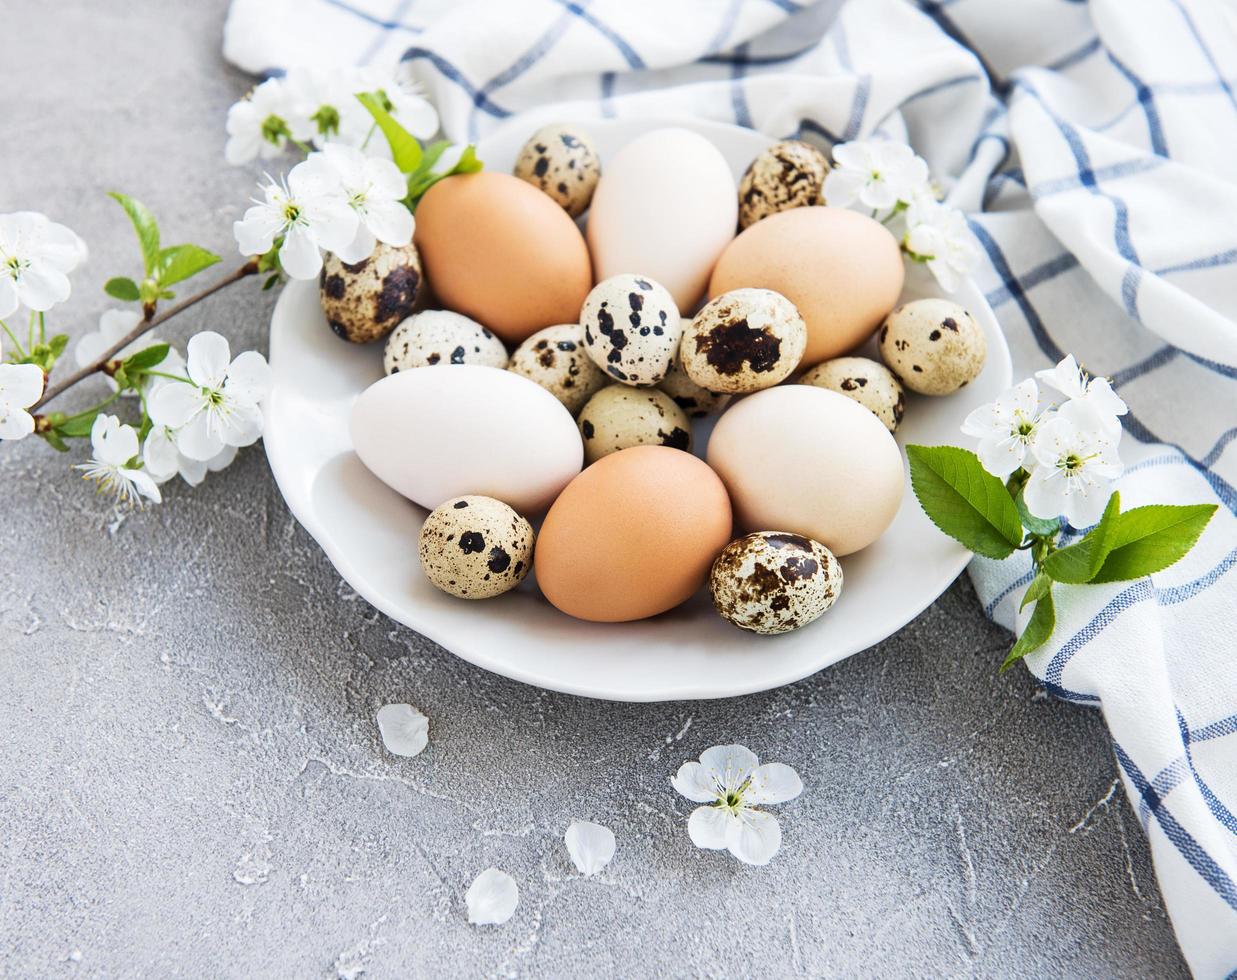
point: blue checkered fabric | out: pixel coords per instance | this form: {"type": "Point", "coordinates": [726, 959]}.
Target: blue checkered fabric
{"type": "Point", "coordinates": [1092, 145]}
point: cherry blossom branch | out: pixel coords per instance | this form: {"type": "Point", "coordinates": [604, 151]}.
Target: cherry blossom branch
{"type": "Point", "coordinates": [148, 323]}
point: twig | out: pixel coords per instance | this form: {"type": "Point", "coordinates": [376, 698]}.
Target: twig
{"type": "Point", "coordinates": [147, 324]}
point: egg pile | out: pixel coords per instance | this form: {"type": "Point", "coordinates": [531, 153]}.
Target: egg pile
{"type": "Point", "coordinates": [579, 360]}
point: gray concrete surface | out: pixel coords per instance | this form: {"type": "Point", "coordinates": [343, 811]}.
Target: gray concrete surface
{"type": "Point", "coordinates": [191, 781]}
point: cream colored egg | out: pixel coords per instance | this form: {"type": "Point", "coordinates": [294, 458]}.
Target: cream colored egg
{"type": "Point", "coordinates": [934, 345]}
{"type": "Point", "coordinates": [664, 208]}
{"type": "Point", "coordinates": [438, 434]}
{"type": "Point", "coordinates": [688, 395]}
{"type": "Point", "coordinates": [435, 337]}
{"type": "Point", "coordinates": [475, 547]}
{"type": "Point", "coordinates": [555, 359]}
{"type": "Point", "coordinates": [811, 462]}
{"type": "Point", "coordinates": [871, 384]}
{"type": "Point", "coordinates": [561, 161]}
{"type": "Point", "coordinates": [742, 341]}
{"type": "Point", "coordinates": [619, 417]}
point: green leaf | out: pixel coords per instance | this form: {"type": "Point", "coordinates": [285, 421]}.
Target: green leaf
{"type": "Point", "coordinates": [467, 163]}
{"type": "Point", "coordinates": [145, 359]}
{"type": "Point", "coordinates": [57, 344]}
{"type": "Point", "coordinates": [1039, 628]}
{"type": "Point", "coordinates": [178, 262]}
{"type": "Point", "coordinates": [76, 427]}
{"type": "Point", "coordinates": [1040, 586]}
{"type": "Point", "coordinates": [1079, 562]}
{"type": "Point", "coordinates": [146, 227]}
{"type": "Point", "coordinates": [430, 156]}
{"type": "Point", "coordinates": [964, 500]}
{"type": "Point", "coordinates": [53, 439]}
{"type": "Point", "coordinates": [405, 149]}
{"type": "Point", "coordinates": [123, 289]}
{"type": "Point", "coordinates": [1149, 539]}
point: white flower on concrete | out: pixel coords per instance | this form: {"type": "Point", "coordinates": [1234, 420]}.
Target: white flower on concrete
{"type": "Point", "coordinates": [21, 385]}
{"type": "Point", "coordinates": [219, 405]}
{"type": "Point", "coordinates": [1005, 428]}
{"type": "Point", "coordinates": [590, 845]}
{"type": "Point", "coordinates": [36, 257]}
{"type": "Point", "coordinates": [308, 211]}
{"type": "Point", "coordinates": [877, 174]}
{"type": "Point", "coordinates": [405, 731]}
{"type": "Point", "coordinates": [259, 124]}
{"type": "Point", "coordinates": [1091, 400]}
{"type": "Point", "coordinates": [115, 448]}
{"type": "Point", "coordinates": [491, 898]}
{"type": "Point", "coordinates": [1074, 470]}
{"type": "Point", "coordinates": [731, 782]}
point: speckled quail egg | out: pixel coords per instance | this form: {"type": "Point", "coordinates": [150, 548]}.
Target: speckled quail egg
{"type": "Point", "coordinates": [441, 337]}
{"type": "Point", "coordinates": [744, 340]}
{"type": "Point", "coordinates": [619, 417]}
{"type": "Point", "coordinates": [934, 346]}
{"type": "Point", "coordinates": [789, 174]}
{"type": "Point", "coordinates": [871, 384]}
{"type": "Point", "coordinates": [689, 396]}
{"type": "Point", "coordinates": [631, 329]}
{"type": "Point", "coordinates": [555, 359]}
{"type": "Point", "coordinates": [563, 162]}
{"type": "Point", "coordinates": [475, 547]}
{"type": "Point", "coordinates": [364, 301]}
{"type": "Point", "coordinates": [774, 582]}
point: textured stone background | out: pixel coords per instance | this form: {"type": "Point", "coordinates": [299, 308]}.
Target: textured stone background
{"type": "Point", "coordinates": [191, 782]}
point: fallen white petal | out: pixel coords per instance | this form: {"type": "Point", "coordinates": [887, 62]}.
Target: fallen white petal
{"type": "Point", "coordinates": [405, 731]}
{"type": "Point", "coordinates": [590, 845]}
{"type": "Point", "coordinates": [491, 898]}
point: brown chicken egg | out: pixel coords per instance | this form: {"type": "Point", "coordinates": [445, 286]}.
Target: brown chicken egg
{"type": "Point", "coordinates": [633, 535]}
{"type": "Point", "coordinates": [500, 251]}
{"type": "Point", "coordinates": [842, 271]}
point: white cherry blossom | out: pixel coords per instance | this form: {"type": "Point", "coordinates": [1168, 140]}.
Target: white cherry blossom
{"type": "Point", "coordinates": [590, 845]}
{"type": "Point", "coordinates": [114, 325]}
{"type": "Point", "coordinates": [163, 460]}
{"type": "Point", "coordinates": [939, 235]}
{"type": "Point", "coordinates": [731, 782]}
{"type": "Point", "coordinates": [1005, 428]}
{"type": "Point", "coordinates": [404, 730]}
{"type": "Point", "coordinates": [875, 173]}
{"type": "Point", "coordinates": [491, 898]}
{"type": "Point", "coordinates": [1089, 398]}
{"type": "Point", "coordinates": [115, 446]}
{"type": "Point", "coordinates": [1075, 467]}
{"type": "Point", "coordinates": [36, 257]}
{"type": "Point", "coordinates": [21, 385]}
{"type": "Point", "coordinates": [219, 405]}
{"type": "Point", "coordinates": [309, 211]}
{"type": "Point", "coordinates": [374, 189]}
{"type": "Point", "coordinates": [259, 124]}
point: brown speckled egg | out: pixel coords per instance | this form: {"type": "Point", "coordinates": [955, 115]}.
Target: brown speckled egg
{"type": "Point", "coordinates": [435, 337]}
{"type": "Point", "coordinates": [555, 359]}
{"type": "Point", "coordinates": [789, 174]}
{"type": "Point", "coordinates": [744, 340]}
{"type": "Point", "coordinates": [563, 162]}
{"type": "Point", "coordinates": [689, 396]}
{"type": "Point", "coordinates": [364, 301]}
{"type": "Point", "coordinates": [774, 582]}
{"type": "Point", "coordinates": [475, 547]}
{"type": "Point", "coordinates": [619, 417]}
{"type": "Point", "coordinates": [631, 329]}
{"type": "Point", "coordinates": [871, 384]}
{"type": "Point", "coordinates": [934, 346]}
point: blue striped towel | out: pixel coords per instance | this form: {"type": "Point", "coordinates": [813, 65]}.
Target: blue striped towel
{"type": "Point", "coordinates": [1093, 146]}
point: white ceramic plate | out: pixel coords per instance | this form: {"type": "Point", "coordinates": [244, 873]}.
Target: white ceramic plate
{"type": "Point", "coordinates": [370, 533]}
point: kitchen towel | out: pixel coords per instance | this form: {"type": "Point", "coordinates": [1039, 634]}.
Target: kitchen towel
{"type": "Point", "coordinates": [1093, 147]}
